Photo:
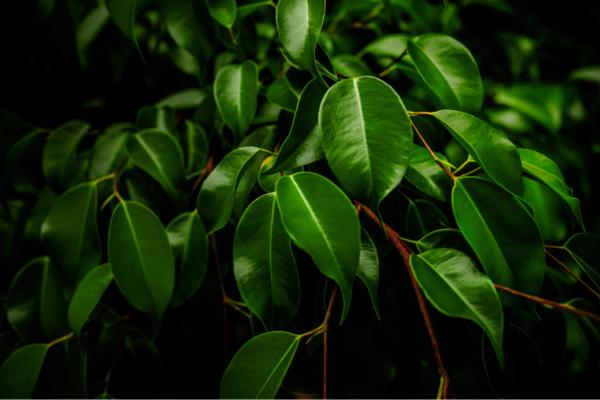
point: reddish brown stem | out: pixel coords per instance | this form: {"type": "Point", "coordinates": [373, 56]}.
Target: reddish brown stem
{"type": "Point", "coordinates": [325, 338]}
{"type": "Point", "coordinates": [432, 153]}
{"type": "Point", "coordinates": [568, 271]}
{"type": "Point", "coordinates": [204, 173]}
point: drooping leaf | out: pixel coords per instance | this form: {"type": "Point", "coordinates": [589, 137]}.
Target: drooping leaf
{"type": "Point", "coordinates": [282, 93]}
{"type": "Point", "coordinates": [449, 71]}
{"type": "Point", "coordinates": [425, 174]}
{"type": "Point", "coordinates": [585, 250]}
{"type": "Point", "coordinates": [367, 137]}
{"type": "Point", "coordinates": [322, 221]}
{"type": "Point", "coordinates": [88, 294]}
{"type": "Point", "coordinates": [235, 91]}
{"type": "Point", "coordinates": [299, 24]}
{"type": "Point", "coordinates": [189, 242]}
{"type": "Point", "coordinates": [263, 263]}
{"type": "Point", "coordinates": [501, 232]}
{"type": "Point", "coordinates": [258, 368]}
{"type": "Point", "coordinates": [195, 147]}
{"type": "Point", "coordinates": [159, 154]}
{"type": "Point", "coordinates": [20, 371]}
{"type": "Point", "coordinates": [109, 150]}
{"type": "Point", "coordinates": [35, 305]}
{"type": "Point", "coordinates": [223, 11]}
{"type": "Point", "coordinates": [368, 268]}
{"type": "Point", "coordinates": [303, 144]}
{"type": "Point", "coordinates": [141, 258]}
{"type": "Point", "coordinates": [454, 286]}
{"type": "Point", "coordinates": [59, 158]}
{"type": "Point", "coordinates": [217, 194]}
{"type": "Point", "coordinates": [496, 155]}
{"type": "Point", "coordinates": [188, 30]}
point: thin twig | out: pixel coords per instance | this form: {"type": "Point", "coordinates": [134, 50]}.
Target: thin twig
{"type": "Point", "coordinates": [325, 338]}
{"type": "Point", "coordinates": [568, 271]}
{"type": "Point", "coordinates": [431, 152]}
{"type": "Point", "coordinates": [205, 171]}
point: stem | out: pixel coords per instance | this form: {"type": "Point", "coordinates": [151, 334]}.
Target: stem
{"type": "Point", "coordinates": [549, 303]}
{"type": "Point", "coordinates": [568, 271]}
{"type": "Point", "coordinates": [470, 172]}
{"type": "Point", "coordinates": [325, 338]}
{"type": "Point", "coordinates": [203, 173]}
{"type": "Point", "coordinates": [116, 189]}
{"type": "Point", "coordinates": [431, 152]}
{"type": "Point", "coordinates": [61, 339]}
{"type": "Point", "coordinates": [104, 178]}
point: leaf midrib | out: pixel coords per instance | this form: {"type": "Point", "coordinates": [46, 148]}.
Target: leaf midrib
{"type": "Point", "coordinates": [364, 134]}
{"type": "Point", "coordinates": [170, 188]}
{"type": "Point", "coordinates": [289, 349]}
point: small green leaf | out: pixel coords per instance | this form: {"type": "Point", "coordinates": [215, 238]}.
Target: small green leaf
{"type": "Point", "coordinates": [322, 221]}
{"type": "Point", "coordinates": [282, 93]}
{"type": "Point", "coordinates": [217, 194]}
{"type": "Point", "coordinates": [449, 71]}
{"type": "Point", "coordinates": [195, 147]}
{"type": "Point", "coordinates": [368, 268]}
{"type": "Point", "coordinates": [496, 155]}
{"type": "Point", "coordinates": [367, 137]}
{"type": "Point", "coordinates": [20, 371]}
{"type": "Point", "coordinates": [60, 152]}
{"type": "Point", "coordinates": [258, 368]}
{"type": "Point", "coordinates": [263, 263]}
{"type": "Point", "coordinates": [141, 258]}
{"type": "Point", "coordinates": [454, 286]}
{"type": "Point", "coordinates": [109, 150]}
{"type": "Point", "coordinates": [425, 174]}
{"type": "Point", "coordinates": [303, 144]}
{"type": "Point", "coordinates": [299, 24]}
{"type": "Point", "coordinates": [350, 66]}
{"type": "Point", "coordinates": [386, 48]}
{"type": "Point", "coordinates": [223, 11]}
{"type": "Point", "coordinates": [502, 233]}
{"type": "Point", "coordinates": [585, 250]}
{"type": "Point", "coordinates": [591, 73]}
{"type": "Point", "coordinates": [189, 242]}
{"type": "Point", "coordinates": [88, 294]}
{"type": "Point", "coordinates": [235, 91]}
{"type": "Point", "coordinates": [184, 99]}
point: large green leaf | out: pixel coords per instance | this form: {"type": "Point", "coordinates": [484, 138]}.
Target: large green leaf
{"type": "Point", "coordinates": [425, 174]}
{"type": "Point", "coordinates": [367, 137]}
{"type": "Point", "coordinates": [70, 231]}
{"type": "Point", "coordinates": [299, 24]}
{"type": "Point", "coordinates": [543, 168]}
{"type": "Point", "coordinates": [141, 258]}
{"type": "Point", "coordinates": [258, 368]}
{"type": "Point", "coordinates": [217, 194]}
{"type": "Point", "coordinates": [496, 155]}
{"type": "Point", "coordinates": [322, 221]}
{"type": "Point", "coordinates": [368, 268]}
{"type": "Point", "coordinates": [454, 286]}
{"type": "Point", "coordinates": [263, 263]}
{"type": "Point", "coordinates": [60, 152]}
{"type": "Point", "coordinates": [449, 70]}
{"type": "Point", "coordinates": [109, 150]}
{"type": "Point", "coordinates": [159, 154]}
{"type": "Point", "coordinates": [585, 250]}
{"type": "Point", "coordinates": [88, 294]}
{"type": "Point", "coordinates": [502, 233]}
{"type": "Point", "coordinates": [20, 371]}
{"type": "Point", "coordinates": [223, 11]}
{"type": "Point", "coordinates": [235, 91]}
{"type": "Point", "coordinates": [188, 30]}
{"type": "Point", "coordinates": [189, 242]}
{"type": "Point", "coordinates": [303, 144]}
{"type": "Point", "coordinates": [35, 305]}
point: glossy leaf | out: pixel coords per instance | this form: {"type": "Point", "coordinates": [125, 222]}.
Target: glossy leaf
{"type": "Point", "coordinates": [217, 194]}
{"type": "Point", "coordinates": [159, 154]}
{"type": "Point", "coordinates": [387, 48]}
{"type": "Point", "coordinates": [445, 237]}
{"type": "Point", "coordinates": [235, 91]}
{"type": "Point", "coordinates": [502, 233]}
{"type": "Point", "coordinates": [322, 221]}
{"type": "Point", "coordinates": [184, 99]}
{"type": "Point", "coordinates": [350, 66]}
{"type": "Point", "coordinates": [449, 71]}
{"type": "Point", "coordinates": [263, 263]}
{"type": "Point", "coordinates": [195, 147]}
{"type": "Point", "coordinates": [87, 296]}
{"type": "Point", "coordinates": [425, 174]}
{"type": "Point", "coordinates": [367, 137]}
{"type": "Point", "coordinates": [282, 93]}
{"type": "Point", "coordinates": [585, 250]}
{"type": "Point", "coordinates": [59, 158]}
{"type": "Point", "coordinates": [496, 155]}
{"type": "Point", "coordinates": [223, 11]}
{"type": "Point", "coordinates": [141, 258]}
{"type": "Point", "coordinates": [189, 242]}
{"type": "Point", "coordinates": [368, 268]}
{"type": "Point", "coordinates": [19, 373]}
{"type": "Point", "coordinates": [299, 23]}
{"type": "Point", "coordinates": [109, 150]}
{"type": "Point", "coordinates": [454, 285]}
{"type": "Point", "coordinates": [303, 144]}
{"type": "Point", "coordinates": [70, 232]}
{"type": "Point", "coordinates": [258, 368]}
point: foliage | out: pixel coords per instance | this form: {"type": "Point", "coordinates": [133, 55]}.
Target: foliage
{"type": "Point", "coordinates": [313, 198]}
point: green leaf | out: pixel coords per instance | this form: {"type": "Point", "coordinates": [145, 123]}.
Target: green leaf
{"type": "Point", "coordinates": [585, 250]}
{"type": "Point", "coordinates": [109, 150]}
{"type": "Point", "coordinates": [322, 221]}
{"type": "Point", "coordinates": [235, 91]}
{"type": "Point", "coordinates": [386, 48]}
{"type": "Point", "coordinates": [70, 232]}
{"type": "Point", "coordinates": [35, 305]}
{"type": "Point", "coordinates": [89, 28]}
{"type": "Point", "coordinates": [449, 71]}
{"type": "Point", "coordinates": [282, 93]}
{"type": "Point", "coordinates": [453, 284]}
{"type": "Point", "coordinates": [263, 263]}
{"type": "Point", "coordinates": [183, 99]}
{"type": "Point", "coordinates": [425, 174]}
{"type": "Point", "coordinates": [159, 154]}
{"type": "Point", "coordinates": [157, 118]}
{"type": "Point", "coordinates": [591, 74]}
{"type": "Point", "coordinates": [502, 233]}
{"type": "Point", "coordinates": [350, 66]}
{"type": "Point", "coordinates": [303, 144]}
{"type": "Point", "coordinates": [223, 11]}
{"type": "Point", "coordinates": [188, 30]}
{"type": "Point", "coordinates": [496, 155]}
{"type": "Point", "coordinates": [367, 137]}
{"type": "Point", "coordinates": [445, 237]}
{"type": "Point", "coordinates": [266, 180]}
{"type": "Point", "coordinates": [217, 194]}
{"type": "Point", "coordinates": [87, 296]}
{"type": "Point", "coordinates": [299, 24]}
{"type": "Point", "coordinates": [368, 268]}
{"type": "Point", "coordinates": [543, 168]}
{"type": "Point", "coordinates": [141, 258]}
{"type": "Point", "coordinates": [189, 242]}
{"type": "Point", "coordinates": [20, 371]}
{"type": "Point", "coordinates": [60, 152]}
{"type": "Point", "coordinates": [124, 14]}
{"type": "Point", "coordinates": [549, 211]}
{"type": "Point", "coordinates": [258, 368]}
{"type": "Point", "coordinates": [195, 147]}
